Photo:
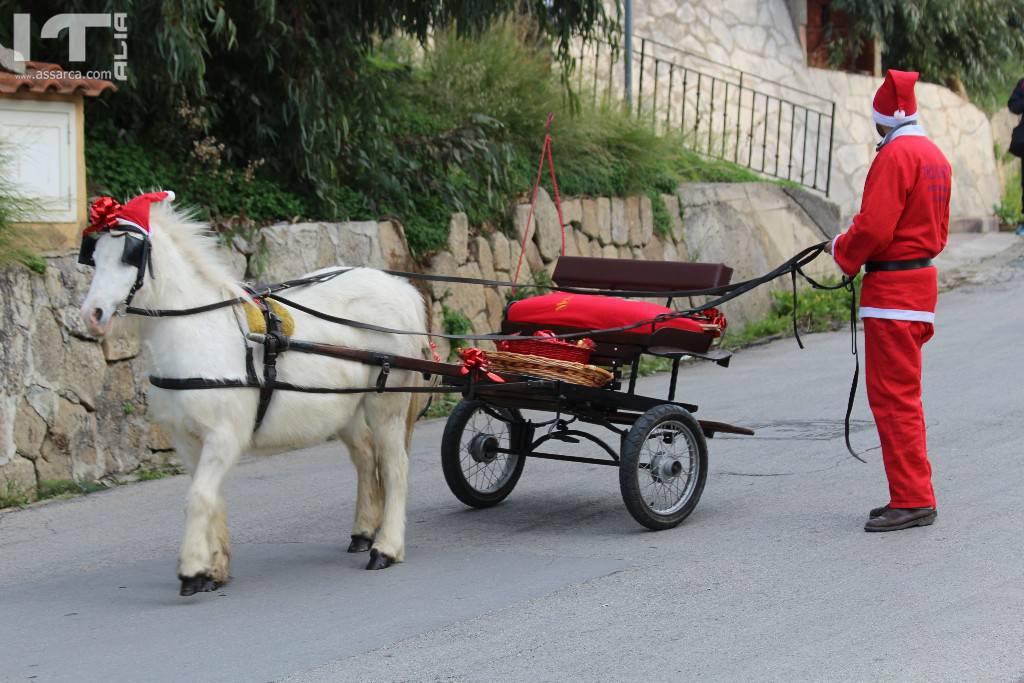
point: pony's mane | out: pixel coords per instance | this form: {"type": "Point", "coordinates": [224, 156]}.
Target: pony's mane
{"type": "Point", "coordinates": [196, 243]}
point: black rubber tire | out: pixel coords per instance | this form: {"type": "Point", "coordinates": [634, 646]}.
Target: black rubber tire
{"type": "Point", "coordinates": [630, 474]}
{"type": "Point", "coordinates": [451, 461]}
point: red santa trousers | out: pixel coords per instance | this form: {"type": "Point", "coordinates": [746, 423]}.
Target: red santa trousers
{"type": "Point", "coordinates": [893, 361]}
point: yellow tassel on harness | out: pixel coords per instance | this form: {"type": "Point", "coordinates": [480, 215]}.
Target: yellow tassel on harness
{"type": "Point", "coordinates": [257, 325]}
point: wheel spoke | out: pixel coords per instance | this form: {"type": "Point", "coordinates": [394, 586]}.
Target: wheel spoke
{"type": "Point", "coordinates": [667, 443]}
{"type": "Point", "coordinates": [490, 474]}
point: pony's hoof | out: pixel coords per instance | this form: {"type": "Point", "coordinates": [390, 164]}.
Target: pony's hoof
{"type": "Point", "coordinates": [359, 544]}
{"type": "Point", "coordinates": [200, 583]}
{"type": "Point", "coordinates": [379, 560]}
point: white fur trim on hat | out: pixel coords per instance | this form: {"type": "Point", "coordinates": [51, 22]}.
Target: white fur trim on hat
{"type": "Point", "coordinates": [896, 119]}
{"type": "Point", "coordinates": [170, 195]}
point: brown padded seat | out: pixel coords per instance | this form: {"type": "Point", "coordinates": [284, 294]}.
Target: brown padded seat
{"type": "Point", "coordinates": [626, 274]}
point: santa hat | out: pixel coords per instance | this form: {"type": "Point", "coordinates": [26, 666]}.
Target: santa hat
{"type": "Point", "coordinates": [106, 212]}
{"type": "Point", "coordinates": [894, 102]}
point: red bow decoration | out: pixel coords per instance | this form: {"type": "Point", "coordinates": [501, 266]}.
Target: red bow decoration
{"type": "Point", "coordinates": [103, 214]}
{"type": "Point", "coordinates": [476, 359]}
{"type": "Point", "coordinates": [582, 343]}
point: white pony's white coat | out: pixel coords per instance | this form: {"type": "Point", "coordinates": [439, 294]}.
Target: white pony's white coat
{"type": "Point", "coordinates": [211, 428]}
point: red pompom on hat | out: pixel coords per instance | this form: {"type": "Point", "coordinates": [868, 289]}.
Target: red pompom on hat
{"type": "Point", "coordinates": [105, 213]}
{"type": "Point", "coordinates": [895, 102]}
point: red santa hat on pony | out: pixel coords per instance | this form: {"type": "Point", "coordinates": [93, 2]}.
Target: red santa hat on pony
{"type": "Point", "coordinates": [895, 103]}
{"type": "Point", "coordinates": [106, 213]}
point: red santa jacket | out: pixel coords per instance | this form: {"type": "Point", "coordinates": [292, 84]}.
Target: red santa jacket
{"type": "Point", "coordinates": [904, 215]}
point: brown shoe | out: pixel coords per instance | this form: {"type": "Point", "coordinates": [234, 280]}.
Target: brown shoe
{"type": "Point", "coordinates": [895, 519]}
{"type": "Point", "coordinates": [878, 512]}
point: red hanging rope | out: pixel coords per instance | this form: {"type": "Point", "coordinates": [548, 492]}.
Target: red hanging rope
{"type": "Point", "coordinates": [544, 152]}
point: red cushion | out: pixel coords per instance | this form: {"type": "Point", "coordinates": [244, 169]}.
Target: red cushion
{"type": "Point", "coordinates": [591, 312]}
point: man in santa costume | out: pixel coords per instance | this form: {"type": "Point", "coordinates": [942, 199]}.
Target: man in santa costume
{"type": "Point", "coordinates": [902, 224]}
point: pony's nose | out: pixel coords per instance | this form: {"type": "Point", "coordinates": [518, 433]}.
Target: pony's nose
{"type": "Point", "coordinates": [94, 319]}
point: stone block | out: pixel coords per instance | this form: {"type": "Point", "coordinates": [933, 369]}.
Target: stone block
{"type": "Point", "coordinates": [442, 263]}
{"type": "Point", "coordinates": [588, 218]}
{"type": "Point", "coordinates": [393, 245]}
{"type": "Point", "coordinates": [18, 475]}
{"type": "Point", "coordinates": [654, 251]}
{"type": "Point", "coordinates": [672, 205]}
{"type": "Point", "coordinates": [572, 211]}
{"type": "Point", "coordinates": [29, 430]}
{"type": "Point", "coordinates": [481, 251]}
{"type": "Point", "coordinates": [121, 344]}
{"type": "Point", "coordinates": [84, 370]}
{"type": "Point", "coordinates": [47, 350]}
{"type": "Point", "coordinates": [633, 220]}
{"type": "Point", "coordinates": [465, 298]}
{"type": "Point", "coordinates": [609, 251]}
{"type": "Point", "coordinates": [604, 220]}
{"type": "Point", "coordinates": [646, 220]}
{"type": "Point", "coordinates": [501, 248]}
{"type": "Point", "coordinates": [458, 237]}
{"type": "Point", "coordinates": [548, 235]}
{"type": "Point", "coordinates": [70, 445]}
{"type": "Point", "coordinates": [495, 309]}
{"type": "Point", "coordinates": [620, 222]}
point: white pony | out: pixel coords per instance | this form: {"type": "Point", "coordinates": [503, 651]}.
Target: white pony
{"type": "Point", "coordinates": [211, 428]}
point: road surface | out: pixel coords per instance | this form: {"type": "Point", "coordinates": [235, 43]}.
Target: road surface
{"type": "Point", "coordinates": [771, 578]}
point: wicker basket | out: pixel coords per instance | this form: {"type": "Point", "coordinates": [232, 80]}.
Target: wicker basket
{"type": "Point", "coordinates": [548, 368]}
{"type": "Point", "coordinates": [541, 345]}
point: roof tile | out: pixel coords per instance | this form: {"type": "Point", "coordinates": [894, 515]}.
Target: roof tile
{"type": "Point", "coordinates": [41, 77]}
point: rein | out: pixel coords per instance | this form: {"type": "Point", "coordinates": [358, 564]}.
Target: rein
{"type": "Point", "coordinates": [274, 342]}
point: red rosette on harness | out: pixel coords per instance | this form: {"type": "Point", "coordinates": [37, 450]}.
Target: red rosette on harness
{"type": "Point", "coordinates": [475, 360]}
{"type": "Point", "coordinates": [712, 320]}
{"type": "Point", "coordinates": [543, 343]}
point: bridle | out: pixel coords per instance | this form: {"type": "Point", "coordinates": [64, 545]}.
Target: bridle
{"type": "Point", "coordinates": [137, 252]}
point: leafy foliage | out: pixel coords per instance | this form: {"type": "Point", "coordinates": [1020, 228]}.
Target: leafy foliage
{"type": "Point", "coordinates": [973, 42]}
{"type": "Point", "coordinates": [287, 82]}
{"type": "Point", "coordinates": [13, 209]}
{"type": "Point", "coordinates": [455, 322]}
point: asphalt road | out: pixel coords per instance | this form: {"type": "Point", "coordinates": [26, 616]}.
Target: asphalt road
{"type": "Point", "coordinates": [771, 578]}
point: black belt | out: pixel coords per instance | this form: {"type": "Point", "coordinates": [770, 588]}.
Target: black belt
{"type": "Point", "coordinates": [911, 264]}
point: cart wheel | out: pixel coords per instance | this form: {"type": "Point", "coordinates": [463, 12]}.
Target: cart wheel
{"type": "Point", "coordinates": [663, 467]}
{"type": "Point", "coordinates": [476, 473]}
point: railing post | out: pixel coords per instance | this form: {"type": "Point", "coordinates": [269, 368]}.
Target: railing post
{"type": "Point", "coordinates": [831, 133]}
{"type": "Point", "coordinates": [640, 90]}
{"type": "Point", "coordinates": [739, 114]}
{"type": "Point", "coordinates": [629, 54]}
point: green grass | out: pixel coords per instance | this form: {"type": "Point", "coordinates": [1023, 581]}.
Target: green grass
{"type": "Point", "coordinates": [1009, 208]}
{"type": "Point", "coordinates": [442, 405]}
{"type": "Point", "coordinates": [54, 488]}
{"type": "Point", "coordinates": [11, 495]}
{"type": "Point", "coordinates": [152, 474]}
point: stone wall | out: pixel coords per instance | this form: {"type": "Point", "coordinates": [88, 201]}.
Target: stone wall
{"type": "Point", "coordinates": [71, 407]}
{"type": "Point", "coordinates": [758, 37]}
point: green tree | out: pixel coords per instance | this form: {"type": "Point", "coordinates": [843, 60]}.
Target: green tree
{"type": "Point", "coordinates": [959, 43]}
{"type": "Point", "coordinates": [290, 83]}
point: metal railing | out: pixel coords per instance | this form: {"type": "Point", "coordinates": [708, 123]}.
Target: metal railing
{"type": "Point", "coordinates": [720, 111]}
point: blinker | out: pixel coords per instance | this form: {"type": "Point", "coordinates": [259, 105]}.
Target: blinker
{"type": "Point", "coordinates": [135, 252]}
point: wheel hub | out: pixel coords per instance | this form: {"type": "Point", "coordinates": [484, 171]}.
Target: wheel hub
{"type": "Point", "coordinates": [484, 448]}
{"type": "Point", "coordinates": [664, 468]}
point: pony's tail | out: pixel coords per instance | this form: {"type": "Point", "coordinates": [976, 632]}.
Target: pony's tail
{"type": "Point", "coordinates": [415, 406]}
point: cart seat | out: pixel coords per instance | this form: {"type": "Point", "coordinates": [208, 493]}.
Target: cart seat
{"type": "Point", "coordinates": [567, 313]}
